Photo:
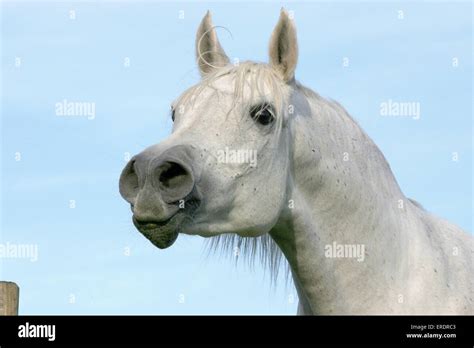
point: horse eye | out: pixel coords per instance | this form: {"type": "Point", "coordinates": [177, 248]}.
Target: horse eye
{"type": "Point", "coordinates": [262, 114]}
{"type": "Point", "coordinates": [172, 114]}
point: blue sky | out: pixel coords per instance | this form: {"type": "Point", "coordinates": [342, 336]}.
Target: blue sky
{"type": "Point", "coordinates": [82, 251]}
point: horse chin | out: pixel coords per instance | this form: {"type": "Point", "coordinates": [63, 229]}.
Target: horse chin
{"type": "Point", "coordinates": [163, 235]}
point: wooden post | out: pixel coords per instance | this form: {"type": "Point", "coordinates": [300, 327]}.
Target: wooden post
{"type": "Point", "coordinates": [9, 295]}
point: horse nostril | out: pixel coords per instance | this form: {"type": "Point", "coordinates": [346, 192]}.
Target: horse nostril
{"type": "Point", "coordinates": [175, 180]}
{"type": "Point", "coordinates": [172, 175]}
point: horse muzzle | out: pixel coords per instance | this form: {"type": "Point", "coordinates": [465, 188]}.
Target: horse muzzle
{"type": "Point", "coordinates": [162, 192]}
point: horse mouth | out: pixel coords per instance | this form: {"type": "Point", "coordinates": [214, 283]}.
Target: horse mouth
{"type": "Point", "coordinates": [162, 234]}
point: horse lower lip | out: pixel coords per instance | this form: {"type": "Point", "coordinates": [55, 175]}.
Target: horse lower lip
{"type": "Point", "coordinates": [161, 234]}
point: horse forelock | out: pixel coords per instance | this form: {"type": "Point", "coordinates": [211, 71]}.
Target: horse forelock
{"type": "Point", "coordinates": [250, 81]}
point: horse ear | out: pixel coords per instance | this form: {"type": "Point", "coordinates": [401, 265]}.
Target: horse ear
{"type": "Point", "coordinates": [284, 47]}
{"type": "Point", "coordinates": [209, 53]}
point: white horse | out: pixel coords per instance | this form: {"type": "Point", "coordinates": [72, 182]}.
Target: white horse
{"type": "Point", "coordinates": [255, 156]}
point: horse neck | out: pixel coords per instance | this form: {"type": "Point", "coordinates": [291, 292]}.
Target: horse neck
{"type": "Point", "coordinates": [341, 191]}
